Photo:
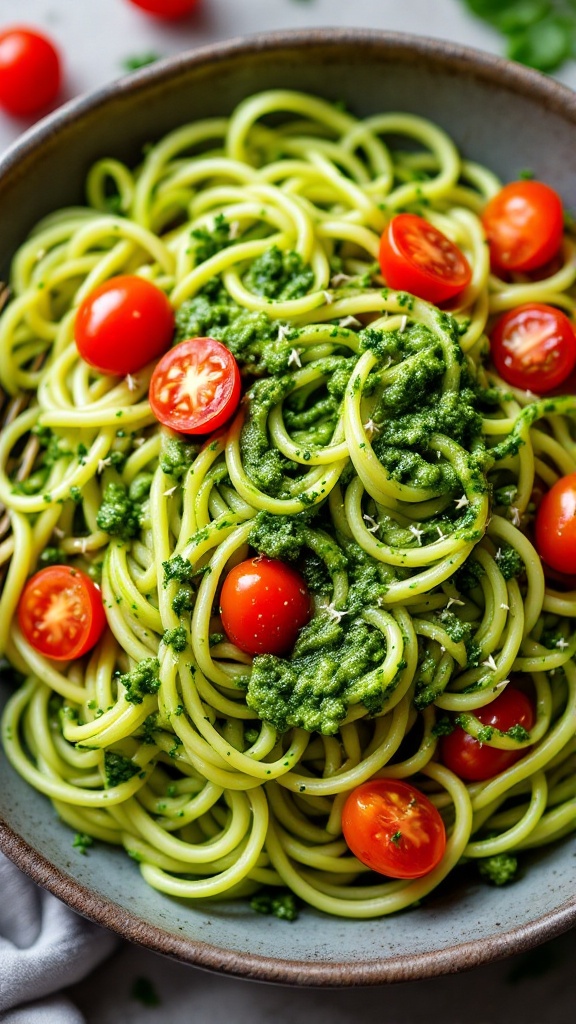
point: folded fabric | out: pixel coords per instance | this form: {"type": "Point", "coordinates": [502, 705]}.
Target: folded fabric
{"type": "Point", "coordinates": [44, 947]}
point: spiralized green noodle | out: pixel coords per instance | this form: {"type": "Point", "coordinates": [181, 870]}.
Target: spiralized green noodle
{"type": "Point", "coordinates": [212, 801]}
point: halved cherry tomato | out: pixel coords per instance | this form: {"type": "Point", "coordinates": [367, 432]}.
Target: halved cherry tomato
{"type": "Point", "coordinates": [524, 224]}
{"type": "Point", "coordinates": [196, 386]}
{"type": "Point", "coordinates": [534, 347]}
{"type": "Point", "coordinates": [474, 761]}
{"type": "Point", "coordinates": [123, 324]}
{"type": "Point", "coordinates": [60, 612]}
{"type": "Point", "coordinates": [166, 9]}
{"type": "Point", "coordinates": [30, 73]}
{"type": "Point", "coordinates": [555, 525]}
{"type": "Point", "coordinates": [264, 604]}
{"type": "Point", "coordinates": [417, 258]}
{"type": "Point", "coordinates": [393, 828]}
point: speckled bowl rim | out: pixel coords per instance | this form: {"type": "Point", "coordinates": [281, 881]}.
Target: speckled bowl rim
{"type": "Point", "coordinates": [449, 57]}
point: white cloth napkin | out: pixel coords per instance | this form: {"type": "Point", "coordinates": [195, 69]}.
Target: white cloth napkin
{"type": "Point", "coordinates": [44, 947]}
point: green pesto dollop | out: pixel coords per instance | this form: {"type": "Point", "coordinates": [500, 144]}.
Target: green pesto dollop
{"type": "Point", "coordinates": [329, 670]}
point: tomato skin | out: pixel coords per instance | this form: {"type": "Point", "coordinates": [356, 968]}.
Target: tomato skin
{"type": "Point", "coordinates": [555, 525]}
{"type": "Point", "coordinates": [475, 761]}
{"type": "Point", "coordinates": [534, 347]}
{"type": "Point", "coordinates": [524, 225]}
{"type": "Point", "coordinates": [417, 258]}
{"type": "Point", "coordinates": [264, 604]}
{"type": "Point", "coordinates": [30, 72]}
{"type": "Point", "coordinates": [168, 10]}
{"type": "Point", "coordinates": [123, 324]}
{"type": "Point", "coordinates": [60, 613]}
{"type": "Point", "coordinates": [195, 388]}
{"type": "Point", "coordinates": [393, 828]}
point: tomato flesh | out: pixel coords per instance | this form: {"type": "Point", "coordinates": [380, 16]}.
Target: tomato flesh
{"type": "Point", "coordinates": [417, 258]}
{"type": "Point", "coordinates": [168, 10]}
{"type": "Point", "coordinates": [195, 387]}
{"type": "Point", "coordinates": [534, 347]}
{"type": "Point", "coordinates": [30, 72]}
{"type": "Point", "coordinates": [60, 613]}
{"type": "Point", "coordinates": [555, 525]}
{"type": "Point", "coordinates": [474, 761]}
{"type": "Point", "coordinates": [123, 324]}
{"type": "Point", "coordinates": [393, 828]}
{"type": "Point", "coordinates": [264, 604]}
{"type": "Point", "coordinates": [524, 225]}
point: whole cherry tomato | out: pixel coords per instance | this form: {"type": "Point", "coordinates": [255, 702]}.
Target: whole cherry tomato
{"type": "Point", "coordinates": [474, 761]}
{"type": "Point", "coordinates": [30, 73]}
{"type": "Point", "coordinates": [264, 604]}
{"type": "Point", "coordinates": [555, 525]}
{"type": "Point", "coordinates": [60, 612]}
{"type": "Point", "coordinates": [393, 828]}
{"type": "Point", "coordinates": [123, 324]}
{"type": "Point", "coordinates": [534, 347]}
{"type": "Point", "coordinates": [168, 10]}
{"type": "Point", "coordinates": [417, 258]}
{"type": "Point", "coordinates": [524, 224]}
{"type": "Point", "coordinates": [195, 387]}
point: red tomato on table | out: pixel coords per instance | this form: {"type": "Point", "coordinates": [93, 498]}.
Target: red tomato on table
{"type": "Point", "coordinates": [60, 613]}
{"type": "Point", "coordinates": [123, 324]}
{"type": "Point", "coordinates": [415, 257]}
{"type": "Point", "coordinates": [534, 347]}
{"type": "Point", "coordinates": [393, 828]}
{"type": "Point", "coordinates": [474, 761]}
{"type": "Point", "coordinates": [264, 604]}
{"type": "Point", "coordinates": [30, 73]}
{"type": "Point", "coordinates": [555, 525]}
{"type": "Point", "coordinates": [195, 387]}
{"type": "Point", "coordinates": [524, 224]}
{"type": "Point", "coordinates": [166, 9]}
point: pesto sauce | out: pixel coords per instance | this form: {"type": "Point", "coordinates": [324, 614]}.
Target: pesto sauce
{"type": "Point", "coordinates": [333, 662]}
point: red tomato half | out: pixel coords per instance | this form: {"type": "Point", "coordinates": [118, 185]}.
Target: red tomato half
{"type": "Point", "coordinates": [555, 525]}
{"type": "Point", "coordinates": [123, 324]}
{"type": "Point", "coordinates": [30, 72]}
{"type": "Point", "coordinates": [60, 613]}
{"type": "Point", "coordinates": [474, 761]}
{"type": "Point", "coordinates": [264, 604]}
{"type": "Point", "coordinates": [534, 347]}
{"type": "Point", "coordinates": [166, 9]}
{"type": "Point", "coordinates": [417, 258]}
{"type": "Point", "coordinates": [196, 386]}
{"type": "Point", "coordinates": [393, 828]}
{"type": "Point", "coordinates": [524, 224]}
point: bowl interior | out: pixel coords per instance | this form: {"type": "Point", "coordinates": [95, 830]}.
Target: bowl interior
{"type": "Point", "coordinates": [504, 116]}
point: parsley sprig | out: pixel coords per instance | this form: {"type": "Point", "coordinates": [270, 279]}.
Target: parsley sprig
{"type": "Point", "coordinates": [540, 33]}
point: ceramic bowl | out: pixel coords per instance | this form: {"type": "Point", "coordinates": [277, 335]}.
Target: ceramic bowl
{"type": "Point", "coordinates": [498, 113]}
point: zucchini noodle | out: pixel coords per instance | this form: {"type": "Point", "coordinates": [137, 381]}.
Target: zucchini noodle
{"type": "Point", "coordinates": [374, 449]}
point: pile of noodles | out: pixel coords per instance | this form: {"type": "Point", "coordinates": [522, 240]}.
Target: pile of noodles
{"type": "Point", "coordinates": [210, 800]}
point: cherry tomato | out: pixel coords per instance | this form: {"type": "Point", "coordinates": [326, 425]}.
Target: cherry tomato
{"type": "Point", "coordinates": [524, 224]}
{"type": "Point", "coordinates": [555, 526]}
{"type": "Point", "coordinates": [534, 347]}
{"type": "Point", "coordinates": [30, 73]}
{"type": "Point", "coordinates": [474, 761]}
{"type": "Point", "coordinates": [264, 604]}
{"type": "Point", "coordinates": [393, 828]}
{"type": "Point", "coordinates": [60, 613]}
{"type": "Point", "coordinates": [166, 9]}
{"type": "Point", "coordinates": [417, 258]}
{"type": "Point", "coordinates": [196, 386]}
{"type": "Point", "coordinates": [123, 324]}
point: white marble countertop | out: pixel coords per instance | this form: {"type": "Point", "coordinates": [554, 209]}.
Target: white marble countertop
{"type": "Point", "coordinates": [95, 38]}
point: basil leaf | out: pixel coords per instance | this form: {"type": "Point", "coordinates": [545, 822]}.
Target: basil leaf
{"type": "Point", "coordinates": [521, 15]}
{"type": "Point", "coordinates": [544, 45]}
{"type": "Point", "coordinates": [540, 33]}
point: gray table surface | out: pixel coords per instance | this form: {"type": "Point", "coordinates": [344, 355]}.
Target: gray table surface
{"type": "Point", "coordinates": [95, 38]}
